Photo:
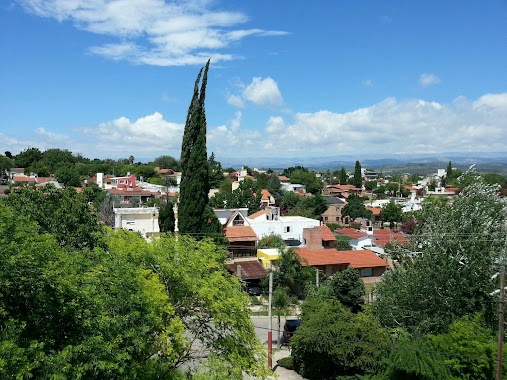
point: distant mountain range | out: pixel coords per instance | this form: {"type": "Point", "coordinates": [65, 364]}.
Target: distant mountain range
{"type": "Point", "coordinates": [399, 163]}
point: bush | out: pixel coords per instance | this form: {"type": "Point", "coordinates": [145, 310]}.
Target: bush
{"type": "Point", "coordinates": [287, 362]}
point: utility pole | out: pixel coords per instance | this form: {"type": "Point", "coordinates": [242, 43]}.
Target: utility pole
{"type": "Point", "coordinates": [501, 318]}
{"type": "Point", "coordinates": [317, 277]}
{"type": "Point", "coordinates": [270, 322]}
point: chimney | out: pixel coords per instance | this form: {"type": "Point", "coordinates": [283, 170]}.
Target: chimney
{"type": "Point", "coordinates": [313, 237]}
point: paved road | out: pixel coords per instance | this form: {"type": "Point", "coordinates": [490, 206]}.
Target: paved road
{"type": "Point", "coordinates": [261, 331]}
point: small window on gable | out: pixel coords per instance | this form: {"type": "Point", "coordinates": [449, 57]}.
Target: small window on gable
{"type": "Point", "coordinates": [238, 221]}
{"type": "Point", "coordinates": [366, 272]}
{"type": "Point", "coordinates": [286, 229]}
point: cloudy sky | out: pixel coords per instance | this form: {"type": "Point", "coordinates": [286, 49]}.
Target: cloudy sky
{"type": "Point", "coordinates": [113, 78]}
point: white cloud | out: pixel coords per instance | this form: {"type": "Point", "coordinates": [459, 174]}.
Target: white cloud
{"type": "Point", "coordinates": [385, 128]}
{"type": "Point", "coordinates": [235, 101]}
{"type": "Point", "coordinates": [426, 80]}
{"type": "Point", "coordinates": [263, 91]}
{"type": "Point", "coordinates": [367, 83]}
{"type": "Point", "coordinates": [153, 32]}
{"type": "Point", "coordinates": [148, 134]}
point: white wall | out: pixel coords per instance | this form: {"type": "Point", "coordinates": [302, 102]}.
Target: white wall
{"type": "Point", "coordinates": [295, 224]}
{"type": "Point", "coordinates": [142, 220]}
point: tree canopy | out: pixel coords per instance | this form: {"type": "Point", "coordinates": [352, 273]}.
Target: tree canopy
{"type": "Point", "coordinates": [446, 267]}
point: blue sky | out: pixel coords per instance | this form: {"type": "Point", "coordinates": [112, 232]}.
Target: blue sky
{"type": "Point", "coordinates": [287, 78]}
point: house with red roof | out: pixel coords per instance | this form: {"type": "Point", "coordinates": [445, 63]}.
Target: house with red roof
{"type": "Point", "coordinates": [266, 199]}
{"type": "Point", "coordinates": [373, 239]}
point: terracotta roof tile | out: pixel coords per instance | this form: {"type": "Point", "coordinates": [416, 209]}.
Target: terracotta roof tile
{"type": "Point", "coordinates": [240, 233]}
{"type": "Point", "coordinates": [22, 178]}
{"type": "Point", "coordinates": [257, 214]}
{"type": "Point", "coordinates": [375, 210]}
{"type": "Point", "coordinates": [283, 178]}
{"type": "Point", "coordinates": [249, 269]}
{"type": "Point", "coordinates": [265, 195]}
{"type": "Point", "coordinates": [351, 233]}
{"type": "Point", "coordinates": [327, 235]}
{"type": "Point", "coordinates": [356, 258]}
{"type": "Point", "coordinates": [384, 236]}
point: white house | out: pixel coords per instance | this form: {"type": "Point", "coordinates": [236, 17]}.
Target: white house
{"type": "Point", "coordinates": [141, 219]}
{"type": "Point", "coordinates": [290, 228]}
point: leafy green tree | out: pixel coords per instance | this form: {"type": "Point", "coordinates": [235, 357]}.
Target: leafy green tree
{"type": "Point", "coordinates": [206, 299]}
{"type": "Point", "coordinates": [80, 314]}
{"type": "Point", "coordinates": [5, 164]}
{"type": "Point", "coordinates": [495, 178]}
{"type": "Point", "coordinates": [391, 213]}
{"type": "Point", "coordinates": [469, 348]}
{"type": "Point", "coordinates": [261, 181]}
{"type": "Point", "coordinates": [448, 263]}
{"type": "Point", "coordinates": [310, 207]}
{"type": "Point", "coordinates": [342, 243]}
{"type": "Point", "coordinates": [8, 154]}
{"type": "Point", "coordinates": [144, 171]}
{"type": "Point", "coordinates": [370, 185]}
{"type": "Point", "coordinates": [64, 213]}
{"type": "Point", "coordinates": [69, 176]}
{"type": "Point", "coordinates": [246, 195]}
{"type": "Point", "coordinates": [38, 168]}
{"type": "Point", "coordinates": [281, 304]}
{"type": "Point", "coordinates": [358, 178]}
{"type": "Point", "coordinates": [289, 273]}
{"type": "Point", "coordinates": [355, 208]}
{"type": "Point", "coordinates": [312, 184]}
{"type": "Point", "coordinates": [167, 162]}
{"type": "Point", "coordinates": [194, 215]}
{"type": "Point", "coordinates": [55, 159]}
{"type": "Point", "coordinates": [348, 288]}
{"type": "Point", "coordinates": [27, 157]}
{"type": "Point", "coordinates": [289, 200]}
{"type": "Point", "coordinates": [416, 359]}
{"type": "Point", "coordinates": [271, 241]}
{"type": "Point", "coordinates": [332, 341]}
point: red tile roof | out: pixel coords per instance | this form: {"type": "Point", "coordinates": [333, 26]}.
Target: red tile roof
{"type": "Point", "coordinates": [257, 214]}
{"type": "Point", "coordinates": [283, 178]}
{"type": "Point", "coordinates": [384, 236]}
{"type": "Point", "coordinates": [356, 259]}
{"type": "Point", "coordinates": [22, 178]}
{"type": "Point", "coordinates": [327, 235]}
{"type": "Point", "coordinates": [249, 269]}
{"type": "Point", "coordinates": [351, 233]}
{"type": "Point", "coordinates": [375, 210]}
{"type": "Point", "coordinates": [265, 195]}
{"type": "Point", "coordinates": [240, 233]}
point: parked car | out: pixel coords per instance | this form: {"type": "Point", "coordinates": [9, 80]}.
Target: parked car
{"type": "Point", "coordinates": [254, 290]}
{"type": "Point", "coordinates": [289, 328]}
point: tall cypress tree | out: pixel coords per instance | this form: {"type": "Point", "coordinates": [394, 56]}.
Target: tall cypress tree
{"type": "Point", "coordinates": [194, 214]}
{"type": "Point", "coordinates": [358, 181]}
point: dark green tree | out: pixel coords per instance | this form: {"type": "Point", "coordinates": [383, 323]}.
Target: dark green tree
{"type": "Point", "coordinates": [64, 213]}
{"type": "Point", "coordinates": [343, 176]}
{"type": "Point", "coordinates": [271, 241]}
{"type": "Point", "coordinates": [355, 208]}
{"type": "Point", "coordinates": [194, 217]}
{"type": "Point", "coordinates": [275, 188]}
{"type": "Point", "coordinates": [391, 213]}
{"type": "Point", "coordinates": [68, 175]}
{"type": "Point", "coordinates": [166, 217]}
{"type": "Point", "coordinates": [348, 288]}
{"type": "Point", "coordinates": [447, 266]}
{"type": "Point", "coordinates": [332, 341]}
{"type": "Point", "coordinates": [358, 178]}
{"type": "Point", "coordinates": [27, 157]}
{"type": "Point", "coordinates": [167, 162]}
{"type": "Point", "coordinates": [449, 171]}
{"type": "Point", "coordinates": [216, 174]}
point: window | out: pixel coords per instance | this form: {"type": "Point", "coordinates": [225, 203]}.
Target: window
{"type": "Point", "coordinates": [286, 229]}
{"type": "Point", "coordinates": [366, 272]}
